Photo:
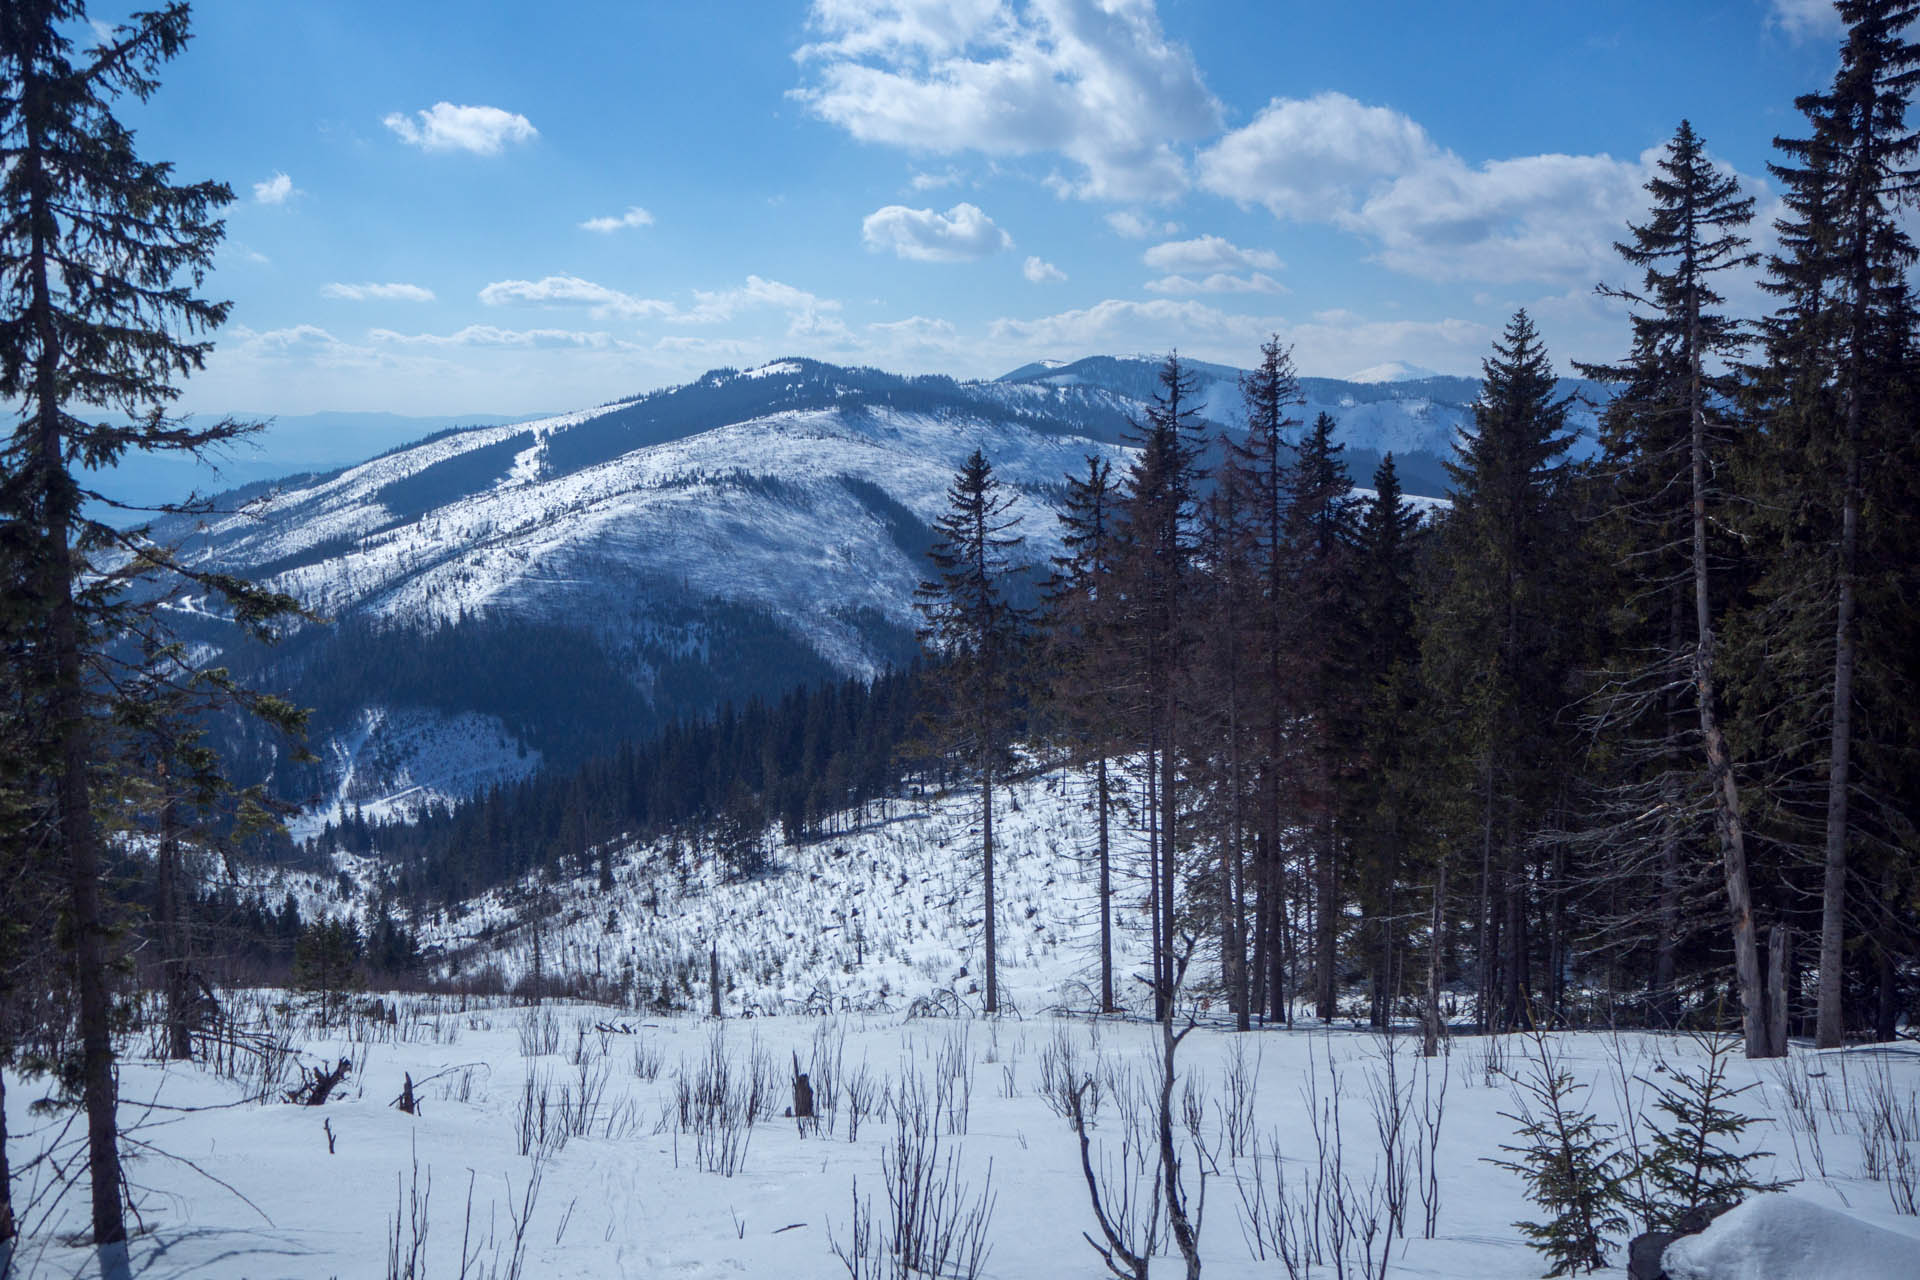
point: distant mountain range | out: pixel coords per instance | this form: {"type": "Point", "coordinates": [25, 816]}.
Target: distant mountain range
{"type": "Point", "coordinates": [507, 594]}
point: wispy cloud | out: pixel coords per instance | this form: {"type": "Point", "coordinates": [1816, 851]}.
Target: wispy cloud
{"type": "Point", "coordinates": [1806, 19]}
{"type": "Point", "coordinates": [274, 190]}
{"type": "Point", "coordinates": [445, 127]}
{"type": "Point", "coordinates": [377, 292]}
{"type": "Point", "coordinates": [570, 291]}
{"type": "Point", "coordinates": [1209, 253]}
{"type": "Point", "coordinates": [1040, 271]}
{"type": "Point", "coordinates": [1217, 282]}
{"type": "Point", "coordinates": [1135, 227]}
{"type": "Point", "coordinates": [486, 335]}
{"type": "Point", "coordinates": [635, 216]}
{"type": "Point", "coordinates": [961, 234]}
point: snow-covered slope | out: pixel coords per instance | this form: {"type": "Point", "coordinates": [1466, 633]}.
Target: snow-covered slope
{"type": "Point", "coordinates": [712, 541]}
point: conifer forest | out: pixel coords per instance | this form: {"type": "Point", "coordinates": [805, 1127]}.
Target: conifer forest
{"type": "Point", "coordinates": [1151, 745]}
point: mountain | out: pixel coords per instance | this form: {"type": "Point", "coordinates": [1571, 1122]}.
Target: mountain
{"type": "Point", "coordinates": [1393, 371]}
{"type": "Point", "coordinates": [535, 592]}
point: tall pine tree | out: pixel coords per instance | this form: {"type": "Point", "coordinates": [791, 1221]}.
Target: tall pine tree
{"type": "Point", "coordinates": [976, 629]}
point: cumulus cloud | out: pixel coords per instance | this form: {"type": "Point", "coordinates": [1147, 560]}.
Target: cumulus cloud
{"type": "Point", "coordinates": [1217, 282]}
{"type": "Point", "coordinates": [1094, 81]}
{"type": "Point", "coordinates": [1209, 253]}
{"type": "Point", "coordinates": [570, 291]}
{"type": "Point", "coordinates": [1805, 19]}
{"type": "Point", "coordinates": [961, 234]}
{"type": "Point", "coordinates": [635, 216]}
{"type": "Point", "coordinates": [1134, 227]}
{"type": "Point", "coordinates": [1375, 172]}
{"type": "Point", "coordinates": [377, 292]}
{"type": "Point", "coordinates": [1040, 271]}
{"type": "Point", "coordinates": [718, 306]}
{"type": "Point", "coordinates": [483, 131]}
{"type": "Point", "coordinates": [274, 190]}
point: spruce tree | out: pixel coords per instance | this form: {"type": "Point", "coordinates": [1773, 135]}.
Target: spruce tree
{"type": "Point", "coordinates": [1157, 578]}
{"type": "Point", "coordinates": [1667, 438]}
{"type": "Point", "coordinates": [1319, 541]}
{"type": "Point", "coordinates": [1384, 661]}
{"type": "Point", "coordinates": [1497, 648]}
{"type": "Point", "coordinates": [1830, 398]}
{"type": "Point", "coordinates": [1570, 1165]}
{"type": "Point", "coordinates": [975, 629]}
{"type": "Point", "coordinates": [1082, 613]}
{"type": "Point", "coordinates": [1695, 1160]}
{"type": "Point", "coordinates": [1258, 465]}
{"type": "Point", "coordinates": [98, 315]}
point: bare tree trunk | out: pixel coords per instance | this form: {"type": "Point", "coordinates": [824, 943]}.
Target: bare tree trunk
{"type": "Point", "coordinates": [1829, 1027]}
{"type": "Point", "coordinates": [986, 859]}
{"type": "Point", "coordinates": [1777, 992]}
{"type": "Point", "coordinates": [1154, 910]}
{"type": "Point", "coordinates": [1430, 1041]}
{"type": "Point", "coordinates": [7, 1229]}
{"type": "Point", "coordinates": [175, 991]}
{"type": "Point", "coordinates": [1326, 919]}
{"type": "Point", "coordinates": [1106, 895]}
{"type": "Point", "coordinates": [1169, 842]}
{"type": "Point", "coordinates": [1725, 789]}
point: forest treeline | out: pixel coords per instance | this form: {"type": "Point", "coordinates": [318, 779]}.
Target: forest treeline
{"type": "Point", "coordinates": [1626, 740]}
{"type": "Point", "coordinates": [812, 757]}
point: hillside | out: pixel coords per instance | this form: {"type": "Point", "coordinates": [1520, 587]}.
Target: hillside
{"type": "Point", "coordinates": [540, 591]}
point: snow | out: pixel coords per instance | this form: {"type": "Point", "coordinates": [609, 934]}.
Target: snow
{"type": "Point", "coordinates": [1785, 1235]}
{"type": "Point", "coordinates": [779, 368]}
{"type": "Point", "coordinates": [1392, 371]}
{"type": "Point", "coordinates": [241, 1183]}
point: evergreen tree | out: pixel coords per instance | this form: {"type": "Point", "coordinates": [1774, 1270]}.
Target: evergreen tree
{"type": "Point", "coordinates": [1569, 1164]}
{"type": "Point", "coordinates": [1497, 649]}
{"type": "Point", "coordinates": [976, 629]}
{"type": "Point", "coordinates": [1081, 617]}
{"type": "Point", "coordinates": [1258, 466]}
{"type": "Point", "coordinates": [1384, 660]}
{"type": "Point", "coordinates": [1694, 1161]}
{"type": "Point", "coordinates": [326, 962]}
{"type": "Point", "coordinates": [1836, 429]}
{"type": "Point", "coordinates": [1319, 541]}
{"type": "Point", "coordinates": [1667, 438]}
{"type": "Point", "coordinates": [97, 314]}
{"type": "Point", "coordinates": [1156, 572]}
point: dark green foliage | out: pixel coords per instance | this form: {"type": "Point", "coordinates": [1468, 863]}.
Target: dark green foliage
{"type": "Point", "coordinates": [976, 632]}
{"type": "Point", "coordinates": [803, 759]}
{"type": "Point", "coordinates": [1571, 1166]}
{"type": "Point", "coordinates": [1696, 1158]}
{"type": "Point", "coordinates": [326, 964]}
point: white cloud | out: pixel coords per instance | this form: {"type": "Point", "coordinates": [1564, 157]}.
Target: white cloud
{"type": "Point", "coordinates": [445, 127]}
{"type": "Point", "coordinates": [1040, 271]}
{"type": "Point", "coordinates": [961, 234]}
{"type": "Point", "coordinates": [1217, 282]}
{"type": "Point", "coordinates": [379, 292]}
{"type": "Point", "coordinates": [635, 216]}
{"type": "Point", "coordinates": [934, 181]}
{"type": "Point", "coordinates": [274, 190]}
{"type": "Point", "coordinates": [1209, 253]}
{"type": "Point", "coordinates": [486, 335]}
{"type": "Point", "coordinates": [1094, 81]}
{"type": "Point", "coordinates": [718, 306]}
{"type": "Point", "coordinates": [564, 291]}
{"type": "Point", "coordinates": [1375, 172]}
{"type": "Point", "coordinates": [1804, 19]}
{"type": "Point", "coordinates": [1125, 324]}
{"type": "Point", "coordinates": [1134, 227]}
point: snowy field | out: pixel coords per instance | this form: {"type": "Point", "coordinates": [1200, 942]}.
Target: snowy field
{"type": "Point", "coordinates": [580, 1140]}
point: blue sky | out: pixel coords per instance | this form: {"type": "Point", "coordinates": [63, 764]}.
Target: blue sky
{"type": "Point", "coordinates": [472, 208]}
